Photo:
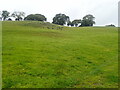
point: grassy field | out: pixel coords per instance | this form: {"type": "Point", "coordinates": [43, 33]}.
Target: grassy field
{"type": "Point", "coordinates": [43, 55]}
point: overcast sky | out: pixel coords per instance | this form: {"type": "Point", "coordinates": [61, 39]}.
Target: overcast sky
{"type": "Point", "coordinates": [105, 11]}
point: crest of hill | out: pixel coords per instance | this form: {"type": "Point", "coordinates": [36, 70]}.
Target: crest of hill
{"type": "Point", "coordinates": [39, 24]}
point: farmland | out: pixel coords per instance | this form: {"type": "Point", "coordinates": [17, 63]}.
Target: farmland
{"type": "Point", "coordinates": [44, 55]}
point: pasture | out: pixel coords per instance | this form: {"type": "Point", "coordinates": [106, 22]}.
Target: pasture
{"type": "Point", "coordinates": [44, 55]}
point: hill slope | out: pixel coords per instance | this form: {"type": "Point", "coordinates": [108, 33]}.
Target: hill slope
{"type": "Point", "coordinates": [43, 55]}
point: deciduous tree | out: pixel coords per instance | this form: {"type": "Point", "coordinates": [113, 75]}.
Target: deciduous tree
{"type": "Point", "coordinates": [36, 17]}
{"type": "Point", "coordinates": [88, 20]}
{"type": "Point", "coordinates": [76, 22]}
{"type": "Point", "coordinates": [18, 15]}
{"type": "Point", "coordinates": [60, 19]}
{"type": "Point", "coordinates": [5, 15]}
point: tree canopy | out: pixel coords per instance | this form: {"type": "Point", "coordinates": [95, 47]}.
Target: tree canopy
{"type": "Point", "coordinates": [111, 25]}
{"type": "Point", "coordinates": [60, 19]}
{"type": "Point", "coordinates": [69, 23]}
{"type": "Point", "coordinates": [18, 15]}
{"type": "Point", "coordinates": [5, 14]}
{"type": "Point", "coordinates": [36, 17]}
{"type": "Point", "coordinates": [88, 20]}
{"type": "Point", "coordinates": [76, 22]}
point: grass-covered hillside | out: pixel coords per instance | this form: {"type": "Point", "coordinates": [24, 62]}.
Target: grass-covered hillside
{"type": "Point", "coordinates": [44, 55]}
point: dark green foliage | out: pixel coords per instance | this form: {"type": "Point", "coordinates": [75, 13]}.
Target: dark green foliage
{"type": "Point", "coordinates": [72, 24]}
{"type": "Point", "coordinates": [88, 20]}
{"type": "Point", "coordinates": [60, 19]}
{"type": "Point", "coordinates": [18, 15]}
{"type": "Point", "coordinates": [36, 17]}
{"type": "Point", "coordinates": [5, 15]}
{"type": "Point", "coordinates": [76, 22]}
{"type": "Point", "coordinates": [9, 19]}
{"type": "Point", "coordinates": [69, 23]}
{"type": "Point", "coordinates": [18, 19]}
{"type": "Point", "coordinates": [110, 25]}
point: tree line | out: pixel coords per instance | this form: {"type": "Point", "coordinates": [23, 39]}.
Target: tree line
{"type": "Point", "coordinates": [60, 19]}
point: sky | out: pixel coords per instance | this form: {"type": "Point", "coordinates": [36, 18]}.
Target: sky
{"type": "Point", "coordinates": [104, 11]}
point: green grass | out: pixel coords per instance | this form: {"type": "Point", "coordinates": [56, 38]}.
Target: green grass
{"type": "Point", "coordinates": [44, 55]}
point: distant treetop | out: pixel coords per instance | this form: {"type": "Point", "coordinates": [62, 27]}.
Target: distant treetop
{"type": "Point", "coordinates": [111, 25]}
{"type": "Point", "coordinates": [18, 15]}
{"type": "Point", "coordinates": [88, 20]}
{"type": "Point", "coordinates": [36, 17]}
{"type": "Point", "coordinates": [5, 15]}
{"type": "Point", "coordinates": [60, 19]}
